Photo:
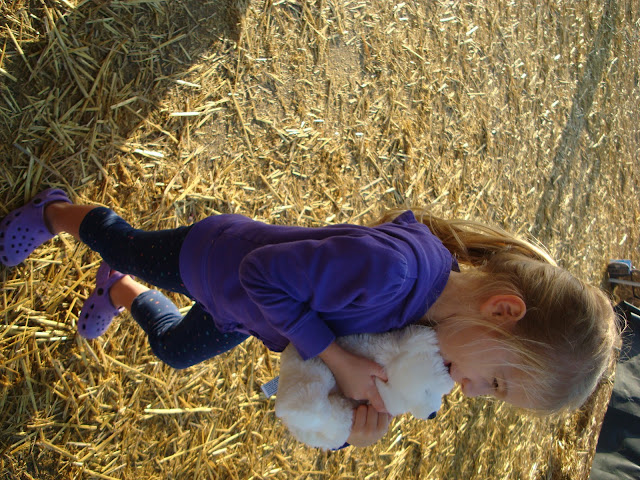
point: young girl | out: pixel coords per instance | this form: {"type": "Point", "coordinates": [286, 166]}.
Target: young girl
{"type": "Point", "coordinates": [512, 325]}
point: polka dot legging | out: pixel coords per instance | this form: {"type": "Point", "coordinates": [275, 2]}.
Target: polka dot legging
{"type": "Point", "coordinates": [154, 257]}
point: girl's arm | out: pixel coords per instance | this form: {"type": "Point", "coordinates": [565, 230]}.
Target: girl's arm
{"type": "Point", "coordinates": [294, 283]}
{"type": "Point", "coordinates": [355, 375]}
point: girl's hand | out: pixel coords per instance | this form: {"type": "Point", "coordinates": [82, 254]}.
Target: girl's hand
{"type": "Point", "coordinates": [369, 426]}
{"type": "Point", "coordinates": [355, 375]}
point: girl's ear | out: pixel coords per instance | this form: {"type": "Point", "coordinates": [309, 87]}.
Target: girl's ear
{"type": "Point", "coordinates": [505, 310]}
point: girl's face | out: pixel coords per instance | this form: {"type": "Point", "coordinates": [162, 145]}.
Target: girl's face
{"type": "Point", "coordinates": [481, 366]}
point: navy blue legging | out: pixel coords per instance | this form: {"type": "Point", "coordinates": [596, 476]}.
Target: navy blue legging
{"type": "Point", "coordinates": [154, 257]}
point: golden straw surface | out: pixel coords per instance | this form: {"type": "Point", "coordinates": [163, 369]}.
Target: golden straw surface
{"type": "Point", "coordinates": [522, 114]}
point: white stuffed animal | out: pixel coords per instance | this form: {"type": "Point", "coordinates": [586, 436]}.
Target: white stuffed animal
{"type": "Point", "coordinates": [315, 411]}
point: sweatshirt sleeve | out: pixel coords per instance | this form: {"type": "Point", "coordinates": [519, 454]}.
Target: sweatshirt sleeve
{"type": "Point", "coordinates": [293, 283]}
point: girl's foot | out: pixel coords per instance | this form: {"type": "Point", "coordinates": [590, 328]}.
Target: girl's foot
{"type": "Point", "coordinates": [98, 311]}
{"type": "Point", "coordinates": [25, 229]}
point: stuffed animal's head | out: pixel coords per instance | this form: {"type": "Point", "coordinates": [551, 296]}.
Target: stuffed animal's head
{"type": "Point", "coordinates": [417, 376]}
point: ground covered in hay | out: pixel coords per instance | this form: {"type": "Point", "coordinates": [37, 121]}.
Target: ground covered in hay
{"type": "Point", "coordinates": [311, 113]}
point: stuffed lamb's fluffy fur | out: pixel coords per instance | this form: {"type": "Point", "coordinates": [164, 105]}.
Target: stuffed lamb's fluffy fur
{"type": "Point", "coordinates": [316, 413]}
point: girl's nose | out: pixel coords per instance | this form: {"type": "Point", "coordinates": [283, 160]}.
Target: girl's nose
{"type": "Point", "coordinates": [467, 387]}
{"type": "Point", "coordinates": [473, 388]}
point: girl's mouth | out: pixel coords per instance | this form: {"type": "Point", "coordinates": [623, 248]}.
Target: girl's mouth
{"type": "Point", "coordinates": [448, 366]}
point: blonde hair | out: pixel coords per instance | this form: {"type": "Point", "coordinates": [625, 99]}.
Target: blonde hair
{"type": "Point", "coordinates": [569, 334]}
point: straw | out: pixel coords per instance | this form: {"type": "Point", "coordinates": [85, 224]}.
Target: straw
{"type": "Point", "coordinates": [521, 114]}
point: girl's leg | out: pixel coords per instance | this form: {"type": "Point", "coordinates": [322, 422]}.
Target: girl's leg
{"type": "Point", "coordinates": [151, 256]}
{"type": "Point", "coordinates": [180, 341]}
{"type": "Point", "coordinates": [125, 291]}
{"type": "Point", "coordinates": [65, 217]}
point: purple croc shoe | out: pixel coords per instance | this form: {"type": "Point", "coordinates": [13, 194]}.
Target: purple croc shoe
{"type": "Point", "coordinates": [98, 311]}
{"type": "Point", "coordinates": [24, 230]}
